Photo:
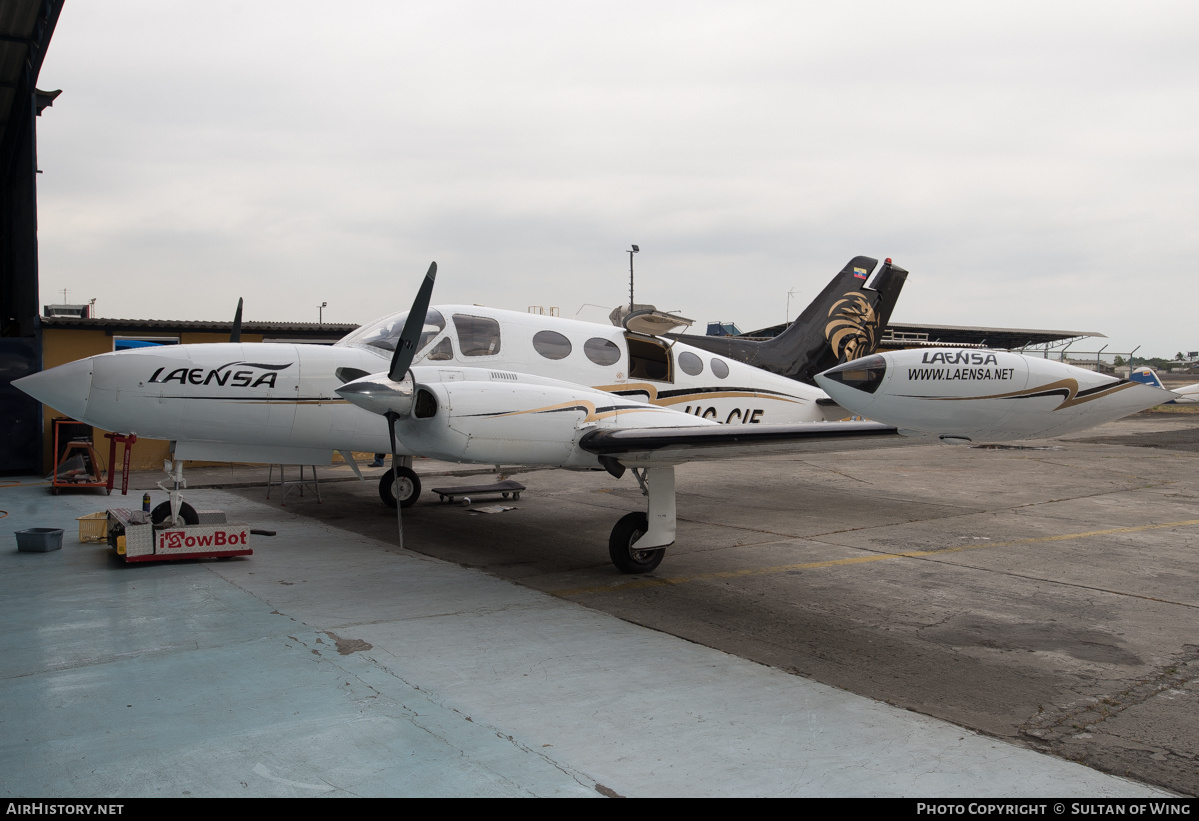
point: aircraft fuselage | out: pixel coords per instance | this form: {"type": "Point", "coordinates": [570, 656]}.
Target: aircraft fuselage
{"type": "Point", "coordinates": [266, 402]}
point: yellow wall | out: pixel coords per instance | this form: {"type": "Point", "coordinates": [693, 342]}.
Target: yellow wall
{"type": "Point", "coordinates": [62, 345]}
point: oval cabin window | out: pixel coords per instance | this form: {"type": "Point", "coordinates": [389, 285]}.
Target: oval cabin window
{"type": "Point", "coordinates": [601, 351]}
{"type": "Point", "coordinates": [551, 344]}
{"type": "Point", "coordinates": [690, 364]}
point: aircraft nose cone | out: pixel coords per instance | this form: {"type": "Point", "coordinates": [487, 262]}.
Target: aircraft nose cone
{"type": "Point", "coordinates": [65, 388]}
{"type": "Point", "coordinates": [855, 385]}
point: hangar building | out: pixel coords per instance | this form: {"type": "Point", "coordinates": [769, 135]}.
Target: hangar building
{"type": "Point", "coordinates": [25, 30]}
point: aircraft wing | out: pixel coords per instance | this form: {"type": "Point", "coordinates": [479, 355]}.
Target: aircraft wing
{"type": "Point", "coordinates": [671, 446]}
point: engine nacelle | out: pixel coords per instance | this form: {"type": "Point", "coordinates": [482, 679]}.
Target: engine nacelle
{"type": "Point", "coordinates": [982, 395]}
{"type": "Point", "coordinates": [519, 422]}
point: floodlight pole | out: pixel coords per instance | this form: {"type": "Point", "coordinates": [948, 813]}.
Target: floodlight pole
{"type": "Point", "coordinates": [634, 251]}
{"type": "Point", "coordinates": [320, 313]}
{"type": "Point", "coordinates": [1134, 350]}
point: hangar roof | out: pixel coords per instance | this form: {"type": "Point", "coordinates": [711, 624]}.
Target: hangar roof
{"type": "Point", "coordinates": [326, 330]}
{"type": "Point", "coordinates": [1006, 338]}
{"type": "Point", "coordinates": [902, 334]}
{"type": "Point", "coordinates": [25, 29]}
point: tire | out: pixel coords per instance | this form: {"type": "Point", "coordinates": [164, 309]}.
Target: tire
{"type": "Point", "coordinates": [408, 487]}
{"type": "Point", "coordinates": [163, 512]}
{"type": "Point", "coordinates": [621, 546]}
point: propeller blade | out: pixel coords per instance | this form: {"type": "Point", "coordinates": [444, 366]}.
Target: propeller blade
{"type": "Point", "coordinates": [392, 416]}
{"type": "Point", "coordinates": [406, 346]}
{"type": "Point", "coordinates": [400, 362]}
{"type": "Point", "coordinates": [236, 335]}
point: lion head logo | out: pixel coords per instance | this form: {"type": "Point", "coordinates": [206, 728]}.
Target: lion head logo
{"type": "Point", "coordinates": [852, 327]}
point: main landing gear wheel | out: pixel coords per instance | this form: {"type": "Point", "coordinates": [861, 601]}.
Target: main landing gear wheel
{"type": "Point", "coordinates": [621, 549]}
{"type": "Point", "coordinates": [405, 488]}
{"type": "Point", "coordinates": [187, 514]}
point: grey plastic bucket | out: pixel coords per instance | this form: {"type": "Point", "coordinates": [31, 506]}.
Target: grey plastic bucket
{"type": "Point", "coordinates": [39, 539]}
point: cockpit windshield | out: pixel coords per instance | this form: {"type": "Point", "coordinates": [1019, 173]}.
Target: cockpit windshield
{"type": "Point", "coordinates": [865, 374]}
{"type": "Point", "coordinates": [385, 333]}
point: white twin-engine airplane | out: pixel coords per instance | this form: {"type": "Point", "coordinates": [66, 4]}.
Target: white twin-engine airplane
{"type": "Point", "coordinates": [471, 384]}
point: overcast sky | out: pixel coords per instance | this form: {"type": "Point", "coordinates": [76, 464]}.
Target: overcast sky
{"type": "Point", "coordinates": [1032, 164]}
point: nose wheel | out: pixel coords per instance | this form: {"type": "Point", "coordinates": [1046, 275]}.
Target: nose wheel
{"type": "Point", "coordinates": [403, 487]}
{"type": "Point", "coordinates": [187, 514]}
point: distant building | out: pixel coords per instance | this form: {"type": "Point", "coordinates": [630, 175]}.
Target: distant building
{"type": "Point", "coordinates": [77, 311]}
{"type": "Point", "coordinates": [1098, 366]}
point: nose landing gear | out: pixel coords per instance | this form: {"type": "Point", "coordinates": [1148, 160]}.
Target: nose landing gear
{"type": "Point", "coordinates": [401, 485]}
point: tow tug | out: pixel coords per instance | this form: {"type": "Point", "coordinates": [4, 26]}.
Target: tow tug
{"type": "Point", "coordinates": [175, 530]}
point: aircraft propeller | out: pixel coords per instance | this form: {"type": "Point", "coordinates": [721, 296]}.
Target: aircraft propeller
{"type": "Point", "coordinates": [236, 335]}
{"type": "Point", "coordinates": [401, 361]}
{"type": "Point", "coordinates": [405, 350]}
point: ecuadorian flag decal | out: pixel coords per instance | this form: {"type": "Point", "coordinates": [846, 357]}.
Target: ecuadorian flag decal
{"type": "Point", "coordinates": [860, 273]}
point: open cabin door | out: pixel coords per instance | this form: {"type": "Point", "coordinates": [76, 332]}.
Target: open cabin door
{"type": "Point", "coordinates": [649, 359]}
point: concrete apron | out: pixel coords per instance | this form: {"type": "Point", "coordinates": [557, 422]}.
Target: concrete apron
{"type": "Point", "coordinates": [333, 664]}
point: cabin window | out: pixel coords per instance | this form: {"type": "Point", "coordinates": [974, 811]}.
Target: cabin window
{"type": "Point", "coordinates": [443, 351]}
{"type": "Point", "coordinates": [690, 364]}
{"type": "Point", "coordinates": [649, 360]}
{"type": "Point", "coordinates": [720, 368]}
{"type": "Point", "coordinates": [477, 336]}
{"type": "Point", "coordinates": [601, 351]}
{"type": "Point", "coordinates": [551, 344]}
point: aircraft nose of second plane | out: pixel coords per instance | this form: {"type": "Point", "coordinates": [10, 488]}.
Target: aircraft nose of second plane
{"type": "Point", "coordinates": [854, 385]}
{"type": "Point", "coordinates": [65, 388]}
{"type": "Point", "coordinates": [864, 374]}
